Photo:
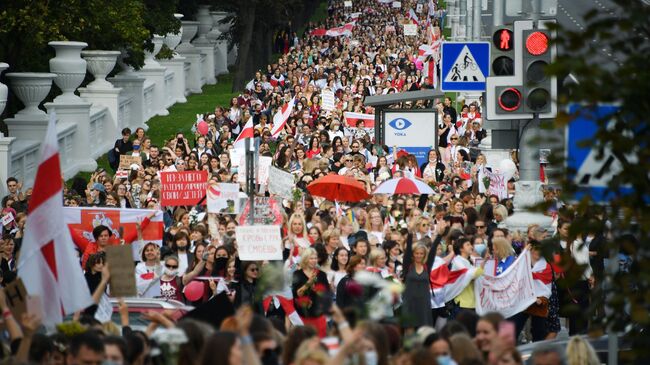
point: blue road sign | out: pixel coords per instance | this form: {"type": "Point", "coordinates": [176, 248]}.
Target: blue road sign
{"type": "Point", "coordinates": [592, 174]}
{"type": "Point", "coordinates": [465, 66]}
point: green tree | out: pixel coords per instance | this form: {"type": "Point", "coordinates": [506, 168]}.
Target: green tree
{"type": "Point", "coordinates": [622, 78]}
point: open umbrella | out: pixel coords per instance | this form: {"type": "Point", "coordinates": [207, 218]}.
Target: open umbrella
{"type": "Point", "coordinates": [338, 188]}
{"type": "Point", "coordinates": [403, 185]}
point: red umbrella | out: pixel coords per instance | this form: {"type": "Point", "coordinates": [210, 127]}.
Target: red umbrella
{"type": "Point", "coordinates": [403, 185]}
{"type": "Point", "coordinates": [338, 188]}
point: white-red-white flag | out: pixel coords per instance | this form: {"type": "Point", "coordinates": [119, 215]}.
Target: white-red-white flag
{"type": "Point", "coordinates": [542, 278]}
{"type": "Point", "coordinates": [429, 71]}
{"type": "Point", "coordinates": [48, 263]}
{"type": "Point", "coordinates": [414, 17]}
{"type": "Point", "coordinates": [247, 132]}
{"type": "Point", "coordinates": [352, 118]}
{"type": "Point", "coordinates": [446, 284]}
{"type": "Point", "coordinates": [280, 118]}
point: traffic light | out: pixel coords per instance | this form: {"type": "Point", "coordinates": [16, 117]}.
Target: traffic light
{"type": "Point", "coordinates": [537, 55]}
{"type": "Point", "coordinates": [528, 89]}
{"type": "Point", "coordinates": [502, 53]}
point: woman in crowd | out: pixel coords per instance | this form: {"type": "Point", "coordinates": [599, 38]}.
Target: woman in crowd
{"type": "Point", "coordinates": [311, 291]}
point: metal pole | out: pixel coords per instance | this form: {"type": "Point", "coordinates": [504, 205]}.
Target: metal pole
{"type": "Point", "coordinates": [535, 10]}
{"type": "Point", "coordinates": [529, 150]}
{"type": "Point", "coordinates": [250, 179]}
{"type": "Point", "coordinates": [462, 18]}
{"type": "Point", "coordinates": [477, 21]}
{"type": "Point", "coordinates": [497, 13]}
{"type": "Point", "coordinates": [469, 21]}
{"type": "Point", "coordinates": [612, 269]}
{"type": "Point", "coordinates": [380, 138]}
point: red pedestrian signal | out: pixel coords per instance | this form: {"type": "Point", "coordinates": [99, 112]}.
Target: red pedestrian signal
{"type": "Point", "coordinates": [509, 99]}
{"type": "Point", "coordinates": [503, 40]}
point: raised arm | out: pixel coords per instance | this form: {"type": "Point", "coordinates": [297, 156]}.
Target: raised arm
{"type": "Point", "coordinates": [408, 254]}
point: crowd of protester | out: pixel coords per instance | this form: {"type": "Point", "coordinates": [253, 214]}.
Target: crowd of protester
{"type": "Point", "coordinates": [327, 245]}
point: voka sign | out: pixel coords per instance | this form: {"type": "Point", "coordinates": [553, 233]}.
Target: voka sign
{"type": "Point", "coordinates": [411, 130]}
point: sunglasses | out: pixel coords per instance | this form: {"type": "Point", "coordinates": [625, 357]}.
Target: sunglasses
{"type": "Point", "coordinates": [454, 139]}
{"type": "Point", "coordinates": [478, 227]}
{"type": "Point", "coordinates": [254, 269]}
{"type": "Point", "coordinates": [171, 266]}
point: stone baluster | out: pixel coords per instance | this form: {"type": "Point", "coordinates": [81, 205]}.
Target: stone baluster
{"type": "Point", "coordinates": [192, 56]}
{"type": "Point", "coordinates": [176, 64]}
{"type": "Point", "coordinates": [204, 44]}
{"type": "Point", "coordinates": [5, 142]}
{"type": "Point", "coordinates": [101, 92]}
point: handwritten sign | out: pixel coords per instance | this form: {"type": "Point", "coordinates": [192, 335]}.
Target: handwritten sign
{"type": "Point", "coordinates": [347, 4]}
{"type": "Point", "coordinates": [127, 160]}
{"type": "Point", "coordinates": [498, 184]}
{"type": "Point", "coordinates": [509, 293]}
{"type": "Point", "coordinates": [328, 99]}
{"type": "Point", "coordinates": [410, 29]}
{"type": "Point", "coordinates": [120, 260]}
{"type": "Point", "coordinates": [224, 198]}
{"type": "Point", "coordinates": [236, 155]}
{"type": "Point", "coordinates": [418, 8]}
{"type": "Point", "coordinates": [259, 243]}
{"type": "Point", "coordinates": [396, 4]}
{"type": "Point", "coordinates": [182, 187]}
{"type": "Point", "coordinates": [281, 183]}
{"type": "Point", "coordinates": [263, 167]}
{"type": "Point", "coordinates": [7, 219]}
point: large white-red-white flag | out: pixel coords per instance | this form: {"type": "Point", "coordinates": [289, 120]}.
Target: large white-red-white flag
{"type": "Point", "coordinates": [280, 118]}
{"type": "Point", "coordinates": [48, 263]}
{"type": "Point", "coordinates": [414, 17]}
{"type": "Point", "coordinates": [446, 284]}
{"type": "Point", "coordinates": [247, 132]}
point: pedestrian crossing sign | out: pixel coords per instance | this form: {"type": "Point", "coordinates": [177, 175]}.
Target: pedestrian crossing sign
{"type": "Point", "coordinates": [465, 66]}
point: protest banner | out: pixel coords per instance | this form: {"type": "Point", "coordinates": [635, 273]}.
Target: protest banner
{"type": "Point", "coordinates": [182, 187]}
{"type": "Point", "coordinates": [127, 160]}
{"type": "Point", "coordinates": [121, 223]}
{"type": "Point", "coordinates": [509, 293]}
{"type": "Point", "coordinates": [267, 212]}
{"type": "Point", "coordinates": [259, 243]}
{"type": "Point", "coordinates": [224, 198]}
{"type": "Point", "coordinates": [410, 29]}
{"type": "Point", "coordinates": [327, 96]}
{"type": "Point", "coordinates": [281, 183]}
{"type": "Point", "coordinates": [120, 265]}
{"type": "Point", "coordinates": [263, 166]}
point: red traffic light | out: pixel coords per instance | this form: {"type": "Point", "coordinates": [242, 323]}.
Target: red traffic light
{"type": "Point", "coordinates": [537, 43]}
{"type": "Point", "coordinates": [510, 99]}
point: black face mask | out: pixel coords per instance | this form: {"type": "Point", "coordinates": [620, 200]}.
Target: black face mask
{"type": "Point", "coordinates": [270, 357]}
{"type": "Point", "coordinates": [220, 264]}
{"type": "Point", "coordinates": [182, 248]}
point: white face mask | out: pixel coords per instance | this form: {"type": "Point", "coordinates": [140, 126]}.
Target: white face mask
{"type": "Point", "coordinates": [170, 272]}
{"type": "Point", "coordinates": [444, 360]}
{"type": "Point", "coordinates": [371, 357]}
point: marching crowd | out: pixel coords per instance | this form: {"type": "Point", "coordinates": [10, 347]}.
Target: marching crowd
{"type": "Point", "coordinates": [363, 280]}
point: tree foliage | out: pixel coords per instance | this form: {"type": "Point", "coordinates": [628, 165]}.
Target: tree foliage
{"type": "Point", "coordinates": [609, 58]}
{"type": "Point", "coordinates": [27, 27]}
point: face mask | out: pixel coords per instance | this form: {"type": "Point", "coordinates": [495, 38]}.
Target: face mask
{"type": "Point", "coordinates": [371, 357]}
{"type": "Point", "coordinates": [182, 248]}
{"type": "Point", "coordinates": [136, 147]}
{"type": "Point", "coordinates": [170, 272]}
{"type": "Point", "coordinates": [444, 360]}
{"type": "Point", "coordinates": [201, 145]}
{"type": "Point", "coordinates": [480, 248]}
{"type": "Point", "coordinates": [270, 357]}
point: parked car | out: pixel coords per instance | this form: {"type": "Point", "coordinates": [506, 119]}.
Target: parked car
{"type": "Point", "coordinates": [138, 306]}
{"type": "Point", "coordinates": [600, 344]}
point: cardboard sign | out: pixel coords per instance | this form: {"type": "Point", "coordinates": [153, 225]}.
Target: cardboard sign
{"type": "Point", "coordinates": [498, 184]}
{"type": "Point", "coordinates": [347, 4]}
{"type": "Point", "coordinates": [267, 211]}
{"type": "Point", "coordinates": [127, 160]}
{"type": "Point", "coordinates": [120, 264]}
{"type": "Point", "coordinates": [410, 29]}
{"type": "Point", "coordinates": [281, 183]}
{"type": "Point", "coordinates": [224, 198]}
{"type": "Point", "coordinates": [16, 298]}
{"type": "Point", "coordinates": [418, 8]}
{"type": "Point", "coordinates": [396, 4]}
{"type": "Point", "coordinates": [327, 96]}
{"type": "Point", "coordinates": [259, 243]}
{"type": "Point", "coordinates": [263, 166]}
{"type": "Point", "coordinates": [182, 187]}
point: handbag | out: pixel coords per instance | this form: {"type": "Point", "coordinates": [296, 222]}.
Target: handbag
{"type": "Point", "coordinates": [539, 310]}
